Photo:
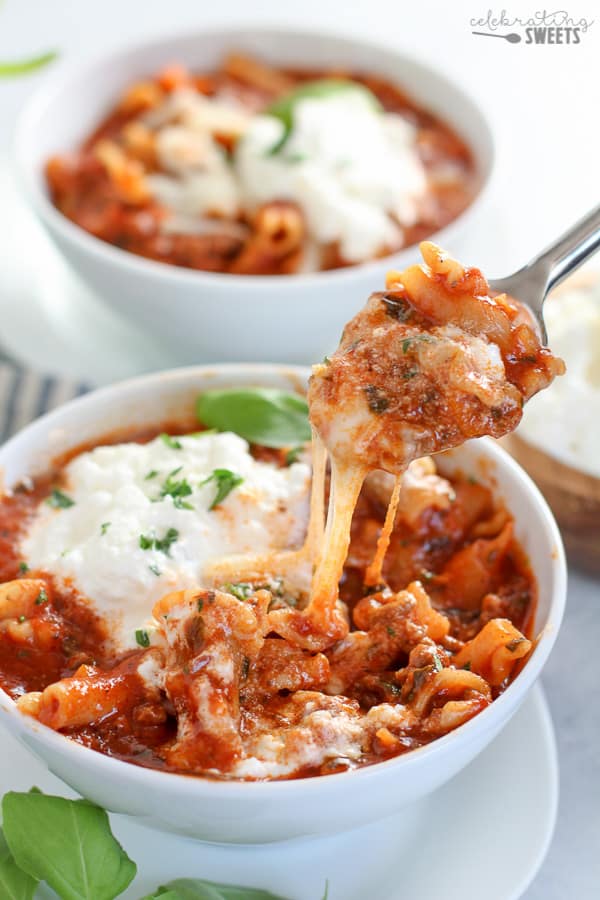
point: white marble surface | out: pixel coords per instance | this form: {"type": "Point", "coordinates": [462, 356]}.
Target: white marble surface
{"type": "Point", "coordinates": [544, 103]}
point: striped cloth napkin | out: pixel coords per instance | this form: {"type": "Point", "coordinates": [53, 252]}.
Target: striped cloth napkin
{"type": "Point", "coordinates": [25, 395]}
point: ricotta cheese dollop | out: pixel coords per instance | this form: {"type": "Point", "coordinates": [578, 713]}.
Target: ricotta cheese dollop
{"type": "Point", "coordinates": [352, 169]}
{"type": "Point", "coordinates": [124, 542]}
{"type": "Point", "coordinates": [566, 420]}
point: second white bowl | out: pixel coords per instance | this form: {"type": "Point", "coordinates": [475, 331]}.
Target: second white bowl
{"type": "Point", "coordinates": [208, 316]}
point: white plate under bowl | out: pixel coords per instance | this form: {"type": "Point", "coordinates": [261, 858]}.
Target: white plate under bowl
{"type": "Point", "coordinates": [501, 807]}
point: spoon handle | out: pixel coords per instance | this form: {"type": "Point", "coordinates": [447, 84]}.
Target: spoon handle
{"type": "Point", "coordinates": [570, 250]}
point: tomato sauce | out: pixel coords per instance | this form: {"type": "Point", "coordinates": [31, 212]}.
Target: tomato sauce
{"type": "Point", "coordinates": [142, 729]}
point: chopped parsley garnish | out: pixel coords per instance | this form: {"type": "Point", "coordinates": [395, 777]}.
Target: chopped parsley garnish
{"type": "Point", "coordinates": [426, 575]}
{"type": "Point", "coordinates": [200, 604]}
{"type": "Point", "coordinates": [438, 664]}
{"type": "Point", "coordinates": [467, 666]}
{"type": "Point", "coordinates": [293, 454]}
{"type": "Point", "coordinates": [171, 442]}
{"type": "Point", "coordinates": [59, 500]}
{"type": "Point", "coordinates": [151, 474]}
{"type": "Point", "coordinates": [391, 631]}
{"type": "Point", "coordinates": [377, 399]}
{"type": "Point", "coordinates": [42, 597]}
{"type": "Point", "coordinates": [418, 339]}
{"type": "Point", "coordinates": [512, 645]}
{"type": "Point", "coordinates": [155, 570]}
{"type": "Point", "coordinates": [142, 637]}
{"type": "Point", "coordinates": [240, 589]}
{"type": "Point", "coordinates": [397, 307]}
{"type": "Point", "coordinates": [410, 374]}
{"type": "Point", "coordinates": [104, 528]}
{"type": "Point", "coordinates": [177, 489]}
{"type": "Point", "coordinates": [226, 481]}
{"type": "Point", "coordinates": [23, 567]}
{"type": "Point", "coordinates": [22, 619]}
{"type": "Point", "coordinates": [151, 542]}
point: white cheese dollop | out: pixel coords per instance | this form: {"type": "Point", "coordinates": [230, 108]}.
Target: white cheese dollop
{"type": "Point", "coordinates": [565, 420]}
{"type": "Point", "coordinates": [353, 170]}
{"type": "Point", "coordinates": [196, 178]}
{"type": "Point", "coordinates": [348, 166]}
{"type": "Point", "coordinates": [95, 544]}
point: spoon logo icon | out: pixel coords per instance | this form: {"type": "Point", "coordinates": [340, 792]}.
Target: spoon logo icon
{"type": "Point", "coordinates": [512, 37]}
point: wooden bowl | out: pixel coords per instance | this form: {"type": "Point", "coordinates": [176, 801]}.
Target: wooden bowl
{"type": "Point", "coordinates": [573, 496]}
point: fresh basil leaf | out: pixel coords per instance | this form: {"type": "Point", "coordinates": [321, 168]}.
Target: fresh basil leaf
{"type": "Point", "coordinates": [197, 889]}
{"type": "Point", "coordinates": [66, 843]}
{"type": "Point", "coordinates": [14, 883]}
{"type": "Point", "coordinates": [226, 481]}
{"type": "Point", "coordinates": [321, 89]}
{"type": "Point", "coordinates": [264, 416]}
{"type": "Point", "coordinates": [25, 66]}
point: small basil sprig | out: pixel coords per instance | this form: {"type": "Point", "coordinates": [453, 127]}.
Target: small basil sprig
{"type": "Point", "coordinates": [321, 89]}
{"type": "Point", "coordinates": [26, 66]}
{"type": "Point", "coordinates": [264, 416]}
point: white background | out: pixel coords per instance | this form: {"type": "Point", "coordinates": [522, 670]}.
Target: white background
{"type": "Point", "coordinates": [544, 103]}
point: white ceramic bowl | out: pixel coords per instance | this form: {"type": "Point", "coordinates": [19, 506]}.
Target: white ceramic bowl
{"type": "Point", "coordinates": [205, 316]}
{"type": "Point", "coordinates": [255, 812]}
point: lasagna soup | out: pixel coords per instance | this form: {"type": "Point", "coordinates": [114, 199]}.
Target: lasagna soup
{"type": "Point", "coordinates": [251, 169]}
{"type": "Point", "coordinates": [180, 600]}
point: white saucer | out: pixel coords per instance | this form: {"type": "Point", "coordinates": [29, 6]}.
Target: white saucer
{"type": "Point", "coordinates": [484, 835]}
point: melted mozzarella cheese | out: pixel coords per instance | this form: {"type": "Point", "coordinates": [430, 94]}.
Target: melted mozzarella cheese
{"type": "Point", "coordinates": [95, 544]}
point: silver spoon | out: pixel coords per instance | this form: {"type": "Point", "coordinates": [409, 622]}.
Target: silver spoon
{"type": "Point", "coordinates": [512, 38]}
{"type": "Point", "coordinates": [532, 284]}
